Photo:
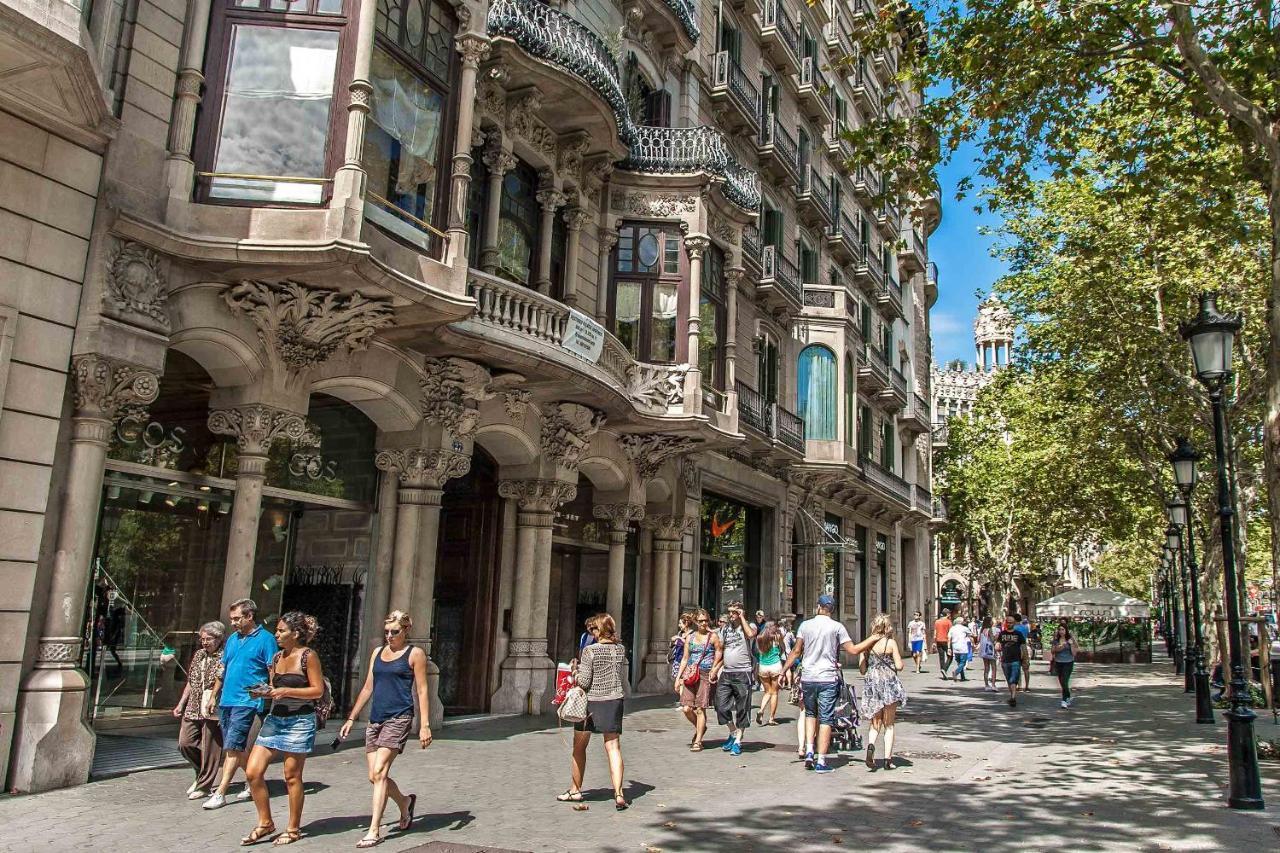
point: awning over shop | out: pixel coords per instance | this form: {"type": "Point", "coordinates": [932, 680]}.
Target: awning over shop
{"type": "Point", "coordinates": [1095, 603]}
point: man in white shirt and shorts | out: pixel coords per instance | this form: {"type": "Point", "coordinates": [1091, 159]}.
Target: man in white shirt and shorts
{"type": "Point", "coordinates": [915, 633]}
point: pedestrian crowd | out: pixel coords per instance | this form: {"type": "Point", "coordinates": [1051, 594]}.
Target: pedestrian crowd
{"type": "Point", "coordinates": [1006, 647]}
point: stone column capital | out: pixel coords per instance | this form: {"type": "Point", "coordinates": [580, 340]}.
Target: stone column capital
{"type": "Point", "coordinates": [669, 528]}
{"type": "Point", "coordinates": [256, 427]}
{"type": "Point", "coordinates": [421, 468]}
{"type": "Point", "coordinates": [619, 516]}
{"type": "Point", "coordinates": [538, 496]}
{"type": "Point", "coordinates": [575, 217]}
{"type": "Point", "coordinates": [550, 199]}
{"type": "Point", "coordinates": [473, 49]}
{"type": "Point", "coordinates": [104, 386]}
{"type": "Point", "coordinates": [696, 244]}
{"type": "Point", "coordinates": [498, 160]}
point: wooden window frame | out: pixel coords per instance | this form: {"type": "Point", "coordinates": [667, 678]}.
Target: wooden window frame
{"type": "Point", "coordinates": [648, 282]}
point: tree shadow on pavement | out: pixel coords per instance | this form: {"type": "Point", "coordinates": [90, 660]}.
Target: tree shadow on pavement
{"type": "Point", "coordinates": [422, 823]}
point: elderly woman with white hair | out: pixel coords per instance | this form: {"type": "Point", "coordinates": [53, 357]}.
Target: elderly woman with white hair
{"type": "Point", "coordinates": [200, 734]}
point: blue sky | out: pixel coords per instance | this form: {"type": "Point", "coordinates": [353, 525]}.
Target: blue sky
{"type": "Point", "coordinates": [965, 265]}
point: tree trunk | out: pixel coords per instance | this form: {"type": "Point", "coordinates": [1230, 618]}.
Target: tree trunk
{"type": "Point", "coordinates": [1271, 433]}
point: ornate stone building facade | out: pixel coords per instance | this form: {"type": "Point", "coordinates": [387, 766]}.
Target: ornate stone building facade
{"type": "Point", "coordinates": [501, 313]}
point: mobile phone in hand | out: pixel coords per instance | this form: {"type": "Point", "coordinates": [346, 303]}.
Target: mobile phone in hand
{"type": "Point", "coordinates": [337, 742]}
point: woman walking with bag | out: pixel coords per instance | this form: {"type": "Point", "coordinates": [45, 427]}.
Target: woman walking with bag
{"type": "Point", "coordinates": [296, 687]}
{"type": "Point", "coordinates": [397, 673]}
{"type": "Point", "coordinates": [769, 644]}
{"type": "Point", "coordinates": [1064, 660]}
{"type": "Point", "coordinates": [987, 651]}
{"type": "Point", "coordinates": [882, 691]}
{"type": "Point", "coordinates": [600, 673]}
{"type": "Point", "coordinates": [675, 653]}
{"type": "Point", "coordinates": [702, 650]}
{"type": "Point", "coordinates": [200, 735]}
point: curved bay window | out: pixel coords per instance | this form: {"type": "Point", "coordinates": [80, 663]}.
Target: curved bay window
{"type": "Point", "coordinates": [268, 130]}
{"type": "Point", "coordinates": [816, 381]}
{"type": "Point", "coordinates": [519, 221]}
{"type": "Point", "coordinates": [643, 310]}
{"type": "Point", "coordinates": [713, 312]}
{"type": "Point", "coordinates": [406, 133]}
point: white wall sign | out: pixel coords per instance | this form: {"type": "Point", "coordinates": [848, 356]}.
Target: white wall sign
{"type": "Point", "coordinates": [583, 336]}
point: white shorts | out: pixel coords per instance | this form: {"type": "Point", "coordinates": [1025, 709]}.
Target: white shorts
{"type": "Point", "coordinates": [771, 670]}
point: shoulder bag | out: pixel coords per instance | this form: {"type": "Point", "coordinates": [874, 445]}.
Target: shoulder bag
{"type": "Point", "coordinates": [691, 680]}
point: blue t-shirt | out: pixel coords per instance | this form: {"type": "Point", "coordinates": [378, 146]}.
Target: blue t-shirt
{"type": "Point", "coordinates": [1024, 630]}
{"type": "Point", "coordinates": [245, 662]}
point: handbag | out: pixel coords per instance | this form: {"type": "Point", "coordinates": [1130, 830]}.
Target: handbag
{"type": "Point", "coordinates": [574, 707]}
{"type": "Point", "coordinates": [691, 680]}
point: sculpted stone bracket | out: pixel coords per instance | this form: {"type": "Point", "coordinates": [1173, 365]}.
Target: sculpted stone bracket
{"type": "Point", "coordinates": [104, 386]}
{"type": "Point", "coordinates": [648, 452]}
{"type": "Point", "coordinates": [420, 468]}
{"type": "Point", "coordinates": [566, 430]}
{"type": "Point", "coordinates": [256, 427]}
{"type": "Point", "coordinates": [451, 388]}
{"type": "Point", "coordinates": [301, 326]}
{"type": "Point", "coordinates": [135, 286]}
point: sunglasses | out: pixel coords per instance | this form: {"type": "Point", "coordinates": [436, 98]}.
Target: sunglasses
{"type": "Point", "coordinates": [393, 633]}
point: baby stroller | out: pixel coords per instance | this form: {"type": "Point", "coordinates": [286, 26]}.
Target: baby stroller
{"type": "Point", "coordinates": [844, 733]}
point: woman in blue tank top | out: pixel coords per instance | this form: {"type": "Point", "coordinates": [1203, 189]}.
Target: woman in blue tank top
{"type": "Point", "coordinates": [397, 672]}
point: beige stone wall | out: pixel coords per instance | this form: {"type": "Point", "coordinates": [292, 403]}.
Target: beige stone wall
{"type": "Point", "coordinates": [48, 189]}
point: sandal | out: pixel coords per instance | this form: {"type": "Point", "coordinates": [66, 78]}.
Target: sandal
{"type": "Point", "coordinates": [258, 835]}
{"type": "Point", "coordinates": [366, 842]}
{"type": "Point", "coordinates": [620, 803]}
{"type": "Point", "coordinates": [570, 797]}
{"type": "Point", "coordinates": [406, 819]}
{"type": "Point", "coordinates": [695, 747]}
{"type": "Point", "coordinates": [287, 837]}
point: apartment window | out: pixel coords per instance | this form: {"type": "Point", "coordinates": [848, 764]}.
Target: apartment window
{"type": "Point", "coordinates": [803, 145]}
{"type": "Point", "coordinates": [519, 221]}
{"type": "Point", "coordinates": [772, 227]}
{"type": "Point", "coordinates": [657, 108]}
{"type": "Point", "coordinates": [404, 147]}
{"type": "Point", "coordinates": [864, 227]}
{"type": "Point", "coordinates": [864, 431]}
{"type": "Point", "coordinates": [816, 381]}
{"type": "Point", "coordinates": [713, 312]}
{"type": "Point", "coordinates": [767, 370]}
{"type": "Point", "coordinates": [645, 291]}
{"type": "Point", "coordinates": [769, 92]}
{"type": "Point", "coordinates": [268, 133]}
{"type": "Point", "coordinates": [850, 400]}
{"type": "Point", "coordinates": [886, 341]}
{"type": "Point", "coordinates": [882, 563]}
{"type": "Point", "coordinates": [808, 262]}
{"type": "Point", "coordinates": [730, 39]}
{"type": "Point", "coordinates": [836, 196]}
{"type": "Point", "coordinates": [477, 204]}
{"type": "Point", "coordinates": [866, 320]}
{"type": "Point", "coordinates": [887, 442]}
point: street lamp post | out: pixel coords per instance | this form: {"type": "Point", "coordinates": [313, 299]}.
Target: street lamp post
{"type": "Point", "coordinates": [1172, 540]}
{"type": "Point", "coordinates": [1211, 335]}
{"type": "Point", "coordinates": [1185, 461]}
{"type": "Point", "coordinates": [1179, 620]}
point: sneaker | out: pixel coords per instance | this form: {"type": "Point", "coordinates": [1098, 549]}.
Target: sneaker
{"type": "Point", "coordinates": [736, 749]}
{"type": "Point", "coordinates": [244, 795]}
{"type": "Point", "coordinates": [1071, 700]}
{"type": "Point", "coordinates": [197, 794]}
{"type": "Point", "coordinates": [823, 768]}
{"type": "Point", "coordinates": [192, 787]}
{"type": "Point", "coordinates": [728, 745]}
{"type": "Point", "coordinates": [217, 801]}
{"type": "Point", "coordinates": [808, 761]}
{"type": "Point", "coordinates": [1064, 704]}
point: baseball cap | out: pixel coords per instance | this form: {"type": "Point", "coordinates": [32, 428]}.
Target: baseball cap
{"type": "Point", "coordinates": [827, 602]}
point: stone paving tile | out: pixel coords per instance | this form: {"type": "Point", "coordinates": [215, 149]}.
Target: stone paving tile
{"type": "Point", "coordinates": [1124, 770]}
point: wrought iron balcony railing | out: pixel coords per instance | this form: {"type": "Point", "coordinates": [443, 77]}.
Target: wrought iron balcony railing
{"type": "Point", "coordinates": [899, 381]}
{"type": "Point", "coordinates": [811, 76]}
{"type": "Point", "coordinates": [744, 92]}
{"type": "Point", "coordinates": [751, 246]}
{"type": "Point", "coordinates": [553, 36]}
{"type": "Point", "coordinates": [924, 499]}
{"type": "Point", "coordinates": [779, 270]}
{"type": "Point", "coordinates": [687, 13]}
{"type": "Point", "coordinates": [790, 428]}
{"type": "Point", "coordinates": [753, 411]}
{"type": "Point", "coordinates": [873, 357]}
{"type": "Point", "coordinates": [775, 15]}
{"type": "Point", "coordinates": [874, 472]}
{"type": "Point", "coordinates": [784, 144]}
{"type": "Point", "coordinates": [684, 150]}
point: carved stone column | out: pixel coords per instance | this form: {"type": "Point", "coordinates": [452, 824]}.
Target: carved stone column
{"type": "Point", "coordinates": [52, 747]}
{"type": "Point", "coordinates": [473, 50]}
{"type": "Point", "coordinates": [179, 167]}
{"type": "Point", "coordinates": [695, 244]}
{"type": "Point", "coordinates": [608, 239]}
{"type": "Point", "coordinates": [499, 161]}
{"type": "Point", "coordinates": [574, 218]}
{"type": "Point", "coordinates": [619, 517]}
{"type": "Point", "coordinates": [349, 182]}
{"type": "Point", "coordinates": [527, 679]}
{"type": "Point", "coordinates": [668, 531]}
{"type": "Point", "coordinates": [731, 279]}
{"type": "Point", "coordinates": [254, 428]}
{"type": "Point", "coordinates": [550, 200]}
{"type": "Point", "coordinates": [422, 474]}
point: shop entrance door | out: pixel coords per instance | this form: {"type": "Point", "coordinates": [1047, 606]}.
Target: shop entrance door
{"type": "Point", "coordinates": [466, 583]}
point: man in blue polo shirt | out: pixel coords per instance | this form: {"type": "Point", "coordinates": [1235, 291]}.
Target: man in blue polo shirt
{"type": "Point", "coordinates": [245, 663]}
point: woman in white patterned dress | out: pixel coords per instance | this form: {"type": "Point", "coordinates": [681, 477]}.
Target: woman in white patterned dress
{"type": "Point", "coordinates": [882, 690]}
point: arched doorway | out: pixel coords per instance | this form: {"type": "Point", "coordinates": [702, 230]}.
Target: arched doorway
{"type": "Point", "coordinates": [466, 586]}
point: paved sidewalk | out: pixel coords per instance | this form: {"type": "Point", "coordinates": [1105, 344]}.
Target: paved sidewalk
{"type": "Point", "coordinates": [1123, 770]}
